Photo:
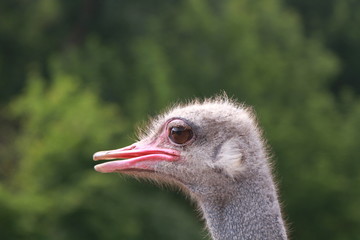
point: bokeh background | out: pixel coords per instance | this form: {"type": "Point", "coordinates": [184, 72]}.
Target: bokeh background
{"type": "Point", "coordinates": [79, 76]}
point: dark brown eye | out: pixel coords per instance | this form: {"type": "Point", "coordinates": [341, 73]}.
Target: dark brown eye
{"type": "Point", "coordinates": [180, 135]}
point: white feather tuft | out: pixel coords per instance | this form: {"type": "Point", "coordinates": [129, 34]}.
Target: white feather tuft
{"type": "Point", "coordinates": [229, 158]}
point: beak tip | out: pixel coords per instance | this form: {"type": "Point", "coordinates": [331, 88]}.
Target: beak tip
{"type": "Point", "coordinates": [101, 169]}
{"type": "Point", "coordinates": [97, 155]}
{"type": "Point", "coordinates": [96, 168]}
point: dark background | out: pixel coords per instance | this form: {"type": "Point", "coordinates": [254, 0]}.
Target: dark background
{"type": "Point", "coordinates": [79, 76]}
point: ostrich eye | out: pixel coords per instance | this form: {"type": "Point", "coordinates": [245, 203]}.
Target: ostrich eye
{"type": "Point", "coordinates": [180, 135]}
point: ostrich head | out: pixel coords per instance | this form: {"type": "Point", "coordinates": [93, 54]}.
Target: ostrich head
{"type": "Point", "coordinates": [214, 151]}
{"type": "Point", "coordinates": [201, 147]}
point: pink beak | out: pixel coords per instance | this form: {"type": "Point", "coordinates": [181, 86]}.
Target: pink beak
{"type": "Point", "coordinates": [138, 157]}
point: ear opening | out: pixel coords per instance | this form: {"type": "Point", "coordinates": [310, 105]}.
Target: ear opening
{"type": "Point", "coordinates": [229, 158]}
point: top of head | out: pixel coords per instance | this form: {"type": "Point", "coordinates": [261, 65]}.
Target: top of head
{"type": "Point", "coordinates": [216, 117]}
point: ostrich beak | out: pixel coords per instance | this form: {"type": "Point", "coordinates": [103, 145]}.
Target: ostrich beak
{"type": "Point", "coordinates": [138, 157]}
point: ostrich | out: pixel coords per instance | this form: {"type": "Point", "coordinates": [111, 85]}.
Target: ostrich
{"type": "Point", "coordinates": [213, 150]}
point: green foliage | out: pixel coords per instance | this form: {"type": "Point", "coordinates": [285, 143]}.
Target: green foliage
{"type": "Point", "coordinates": [54, 192]}
{"type": "Point", "coordinates": [336, 23]}
{"type": "Point", "coordinates": [143, 56]}
{"type": "Point", "coordinates": [53, 119]}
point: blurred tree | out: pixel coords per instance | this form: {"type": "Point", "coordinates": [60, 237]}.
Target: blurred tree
{"type": "Point", "coordinates": [52, 191]}
{"type": "Point", "coordinates": [143, 55]}
{"type": "Point", "coordinates": [27, 37]}
{"type": "Point", "coordinates": [336, 23]}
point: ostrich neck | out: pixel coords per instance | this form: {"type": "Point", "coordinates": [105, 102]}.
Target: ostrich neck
{"type": "Point", "coordinates": [251, 211]}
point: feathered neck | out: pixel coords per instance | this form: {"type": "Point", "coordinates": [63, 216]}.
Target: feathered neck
{"type": "Point", "coordinates": [251, 211]}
